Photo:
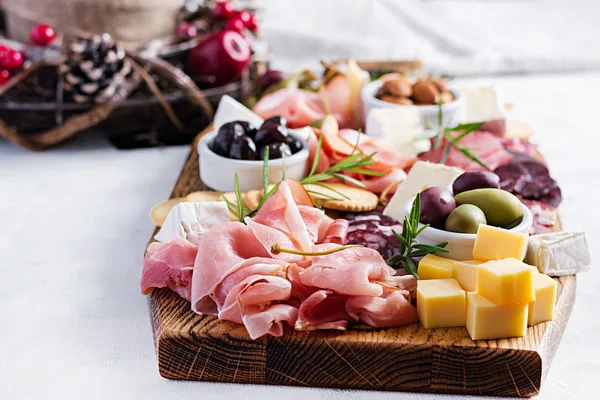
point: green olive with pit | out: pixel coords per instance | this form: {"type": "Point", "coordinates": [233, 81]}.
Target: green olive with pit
{"type": "Point", "coordinates": [465, 219]}
{"type": "Point", "coordinates": [500, 207]}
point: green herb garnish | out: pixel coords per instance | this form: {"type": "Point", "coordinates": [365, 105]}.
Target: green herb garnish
{"type": "Point", "coordinates": [409, 247]}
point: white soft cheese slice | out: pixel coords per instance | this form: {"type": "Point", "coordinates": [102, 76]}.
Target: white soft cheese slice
{"type": "Point", "coordinates": [230, 109]}
{"type": "Point", "coordinates": [398, 127]}
{"type": "Point", "coordinates": [191, 221]}
{"type": "Point", "coordinates": [422, 175]}
{"type": "Point", "coordinates": [481, 104]}
{"type": "Point", "coordinates": [559, 253]}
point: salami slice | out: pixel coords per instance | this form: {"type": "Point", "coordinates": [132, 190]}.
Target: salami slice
{"type": "Point", "coordinates": [375, 231]}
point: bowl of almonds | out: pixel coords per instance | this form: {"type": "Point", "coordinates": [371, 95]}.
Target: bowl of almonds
{"type": "Point", "coordinates": [424, 94]}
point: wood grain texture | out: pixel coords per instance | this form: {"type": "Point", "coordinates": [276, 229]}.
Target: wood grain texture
{"type": "Point", "coordinates": [409, 358]}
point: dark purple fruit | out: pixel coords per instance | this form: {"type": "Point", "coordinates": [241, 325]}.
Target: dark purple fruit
{"type": "Point", "coordinates": [436, 204]}
{"type": "Point", "coordinates": [277, 120]}
{"type": "Point", "coordinates": [269, 78]}
{"type": "Point", "coordinates": [271, 133]}
{"type": "Point", "coordinates": [227, 134]}
{"type": "Point", "coordinates": [276, 150]}
{"type": "Point", "coordinates": [295, 144]}
{"type": "Point", "coordinates": [249, 128]}
{"type": "Point", "coordinates": [475, 180]}
{"type": "Point", "coordinates": [243, 148]}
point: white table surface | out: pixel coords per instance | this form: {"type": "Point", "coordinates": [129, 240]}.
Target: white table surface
{"type": "Point", "coordinates": [74, 224]}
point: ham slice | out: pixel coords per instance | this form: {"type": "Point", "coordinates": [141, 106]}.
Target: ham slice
{"type": "Point", "coordinates": [324, 309]}
{"type": "Point", "coordinates": [270, 321]}
{"type": "Point", "coordinates": [391, 309]}
{"type": "Point", "coordinates": [336, 232]}
{"type": "Point", "coordinates": [302, 107]}
{"type": "Point", "coordinates": [486, 146]}
{"type": "Point", "coordinates": [222, 250]}
{"type": "Point", "coordinates": [169, 265]}
{"type": "Point", "coordinates": [356, 271]}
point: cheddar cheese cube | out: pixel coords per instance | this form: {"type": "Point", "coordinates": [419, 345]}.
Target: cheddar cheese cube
{"type": "Point", "coordinates": [486, 320]}
{"type": "Point", "coordinates": [465, 273]}
{"type": "Point", "coordinates": [542, 309]}
{"type": "Point", "coordinates": [435, 267]}
{"type": "Point", "coordinates": [492, 243]}
{"type": "Point", "coordinates": [506, 282]}
{"type": "Point", "coordinates": [441, 303]}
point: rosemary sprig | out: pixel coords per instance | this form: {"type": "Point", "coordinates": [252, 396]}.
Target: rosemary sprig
{"type": "Point", "coordinates": [409, 247]}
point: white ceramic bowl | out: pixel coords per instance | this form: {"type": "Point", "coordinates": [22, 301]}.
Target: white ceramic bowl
{"type": "Point", "coordinates": [450, 111]}
{"type": "Point", "coordinates": [218, 172]}
{"type": "Point", "coordinates": [461, 245]}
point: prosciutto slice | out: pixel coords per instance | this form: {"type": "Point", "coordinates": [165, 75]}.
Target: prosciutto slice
{"type": "Point", "coordinates": [391, 309]}
{"type": "Point", "coordinates": [323, 309]}
{"type": "Point", "coordinates": [169, 265]}
{"type": "Point", "coordinates": [486, 146]}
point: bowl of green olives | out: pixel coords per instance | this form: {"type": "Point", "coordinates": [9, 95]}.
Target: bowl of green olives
{"type": "Point", "coordinates": [239, 147]}
{"type": "Point", "coordinates": [454, 215]}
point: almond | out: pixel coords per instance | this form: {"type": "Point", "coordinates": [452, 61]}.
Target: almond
{"type": "Point", "coordinates": [425, 92]}
{"type": "Point", "coordinates": [400, 87]}
{"type": "Point", "coordinates": [441, 84]}
{"type": "Point", "coordinates": [405, 101]}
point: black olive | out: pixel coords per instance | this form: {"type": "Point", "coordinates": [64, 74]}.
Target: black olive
{"type": "Point", "coordinates": [276, 150]}
{"type": "Point", "coordinates": [277, 120]}
{"type": "Point", "coordinates": [295, 144]}
{"type": "Point", "coordinates": [227, 134]}
{"type": "Point", "coordinates": [271, 133]}
{"type": "Point", "coordinates": [243, 148]}
{"type": "Point", "coordinates": [248, 128]}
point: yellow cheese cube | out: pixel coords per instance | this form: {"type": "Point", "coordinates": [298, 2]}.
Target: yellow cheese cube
{"type": "Point", "coordinates": [435, 267]}
{"type": "Point", "coordinates": [506, 282]}
{"type": "Point", "coordinates": [465, 273]}
{"type": "Point", "coordinates": [494, 243]}
{"type": "Point", "coordinates": [486, 320]}
{"type": "Point", "coordinates": [542, 309]}
{"type": "Point", "coordinates": [441, 303]}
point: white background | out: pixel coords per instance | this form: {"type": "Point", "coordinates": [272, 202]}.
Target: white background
{"type": "Point", "coordinates": [74, 225]}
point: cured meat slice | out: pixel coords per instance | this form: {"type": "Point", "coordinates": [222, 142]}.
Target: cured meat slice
{"type": "Point", "coordinates": [224, 248]}
{"type": "Point", "coordinates": [352, 271]}
{"type": "Point", "coordinates": [375, 231]}
{"type": "Point", "coordinates": [391, 309]}
{"type": "Point", "coordinates": [299, 107]}
{"type": "Point", "coordinates": [169, 265]}
{"type": "Point", "coordinates": [484, 145]}
{"type": "Point", "coordinates": [270, 321]}
{"type": "Point", "coordinates": [544, 216]}
{"type": "Point", "coordinates": [521, 146]}
{"type": "Point", "coordinates": [336, 232]}
{"type": "Point", "coordinates": [324, 309]}
{"type": "Point", "coordinates": [300, 291]}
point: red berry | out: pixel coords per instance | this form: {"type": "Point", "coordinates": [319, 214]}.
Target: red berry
{"type": "Point", "coordinates": [252, 24]}
{"type": "Point", "coordinates": [186, 30]}
{"type": "Point", "coordinates": [42, 35]}
{"type": "Point", "coordinates": [235, 24]}
{"type": "Point", "coordinates": [11, 60]}
{"type": "Point", "coordinates": [223, 10]}
{"type": "Point", "coordinates": [4, 77]}
{"type": "Point", "coordinates": [244, 16]}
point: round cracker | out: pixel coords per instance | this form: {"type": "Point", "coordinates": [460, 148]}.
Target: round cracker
{"type": "Point", "coordinates": [252, 199]}
{"type": "Point", "coordinates": [518, 129]}
{"type": "Point", "coordinates": [159, 212]}
{"type": "Point", "coordinates": [358, 200]}
{"type": "Point", "coordinates": [204, 196]}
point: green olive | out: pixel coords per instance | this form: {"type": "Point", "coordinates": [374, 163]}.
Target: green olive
{"type": "Point", "coordinates": [500, 207]}
{"type": "Point", "coordinates": [465, 219]}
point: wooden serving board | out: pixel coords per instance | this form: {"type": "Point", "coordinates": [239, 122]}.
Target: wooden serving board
{"type": "Point", "coordinates": [409, 358]}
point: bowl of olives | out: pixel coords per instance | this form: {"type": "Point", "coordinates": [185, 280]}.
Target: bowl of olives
{"type": "Point", "coordinates": [240, 147]}
{"type": "Point", "coordinates": [454, 215]}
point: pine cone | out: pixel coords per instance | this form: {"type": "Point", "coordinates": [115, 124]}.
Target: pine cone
{"type": "Point", "coordinates": [95, 69]}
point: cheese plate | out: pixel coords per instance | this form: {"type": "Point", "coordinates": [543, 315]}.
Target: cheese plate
{"type": "Point", "coordinates": [375, 266]}
{"type": "Point", "coordinates": [410, 358]}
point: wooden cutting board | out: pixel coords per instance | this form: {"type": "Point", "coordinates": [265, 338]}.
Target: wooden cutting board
{"type": "Point", "coordinates": [409, 358]}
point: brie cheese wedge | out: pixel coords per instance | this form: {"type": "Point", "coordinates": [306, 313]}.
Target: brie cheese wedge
{"type": "Point", "coordinates": [398, 127]}
{"type": "Point", "coordinates": [559, 253]}
{"type": "Point", "coordinates": [422, 175]}
{"type": "Point", "coordinates": [230, 110]}
{"type": "Point", "coordinates": [191, 221]}
{"type": "Point", "coordinates": [481, 104]}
